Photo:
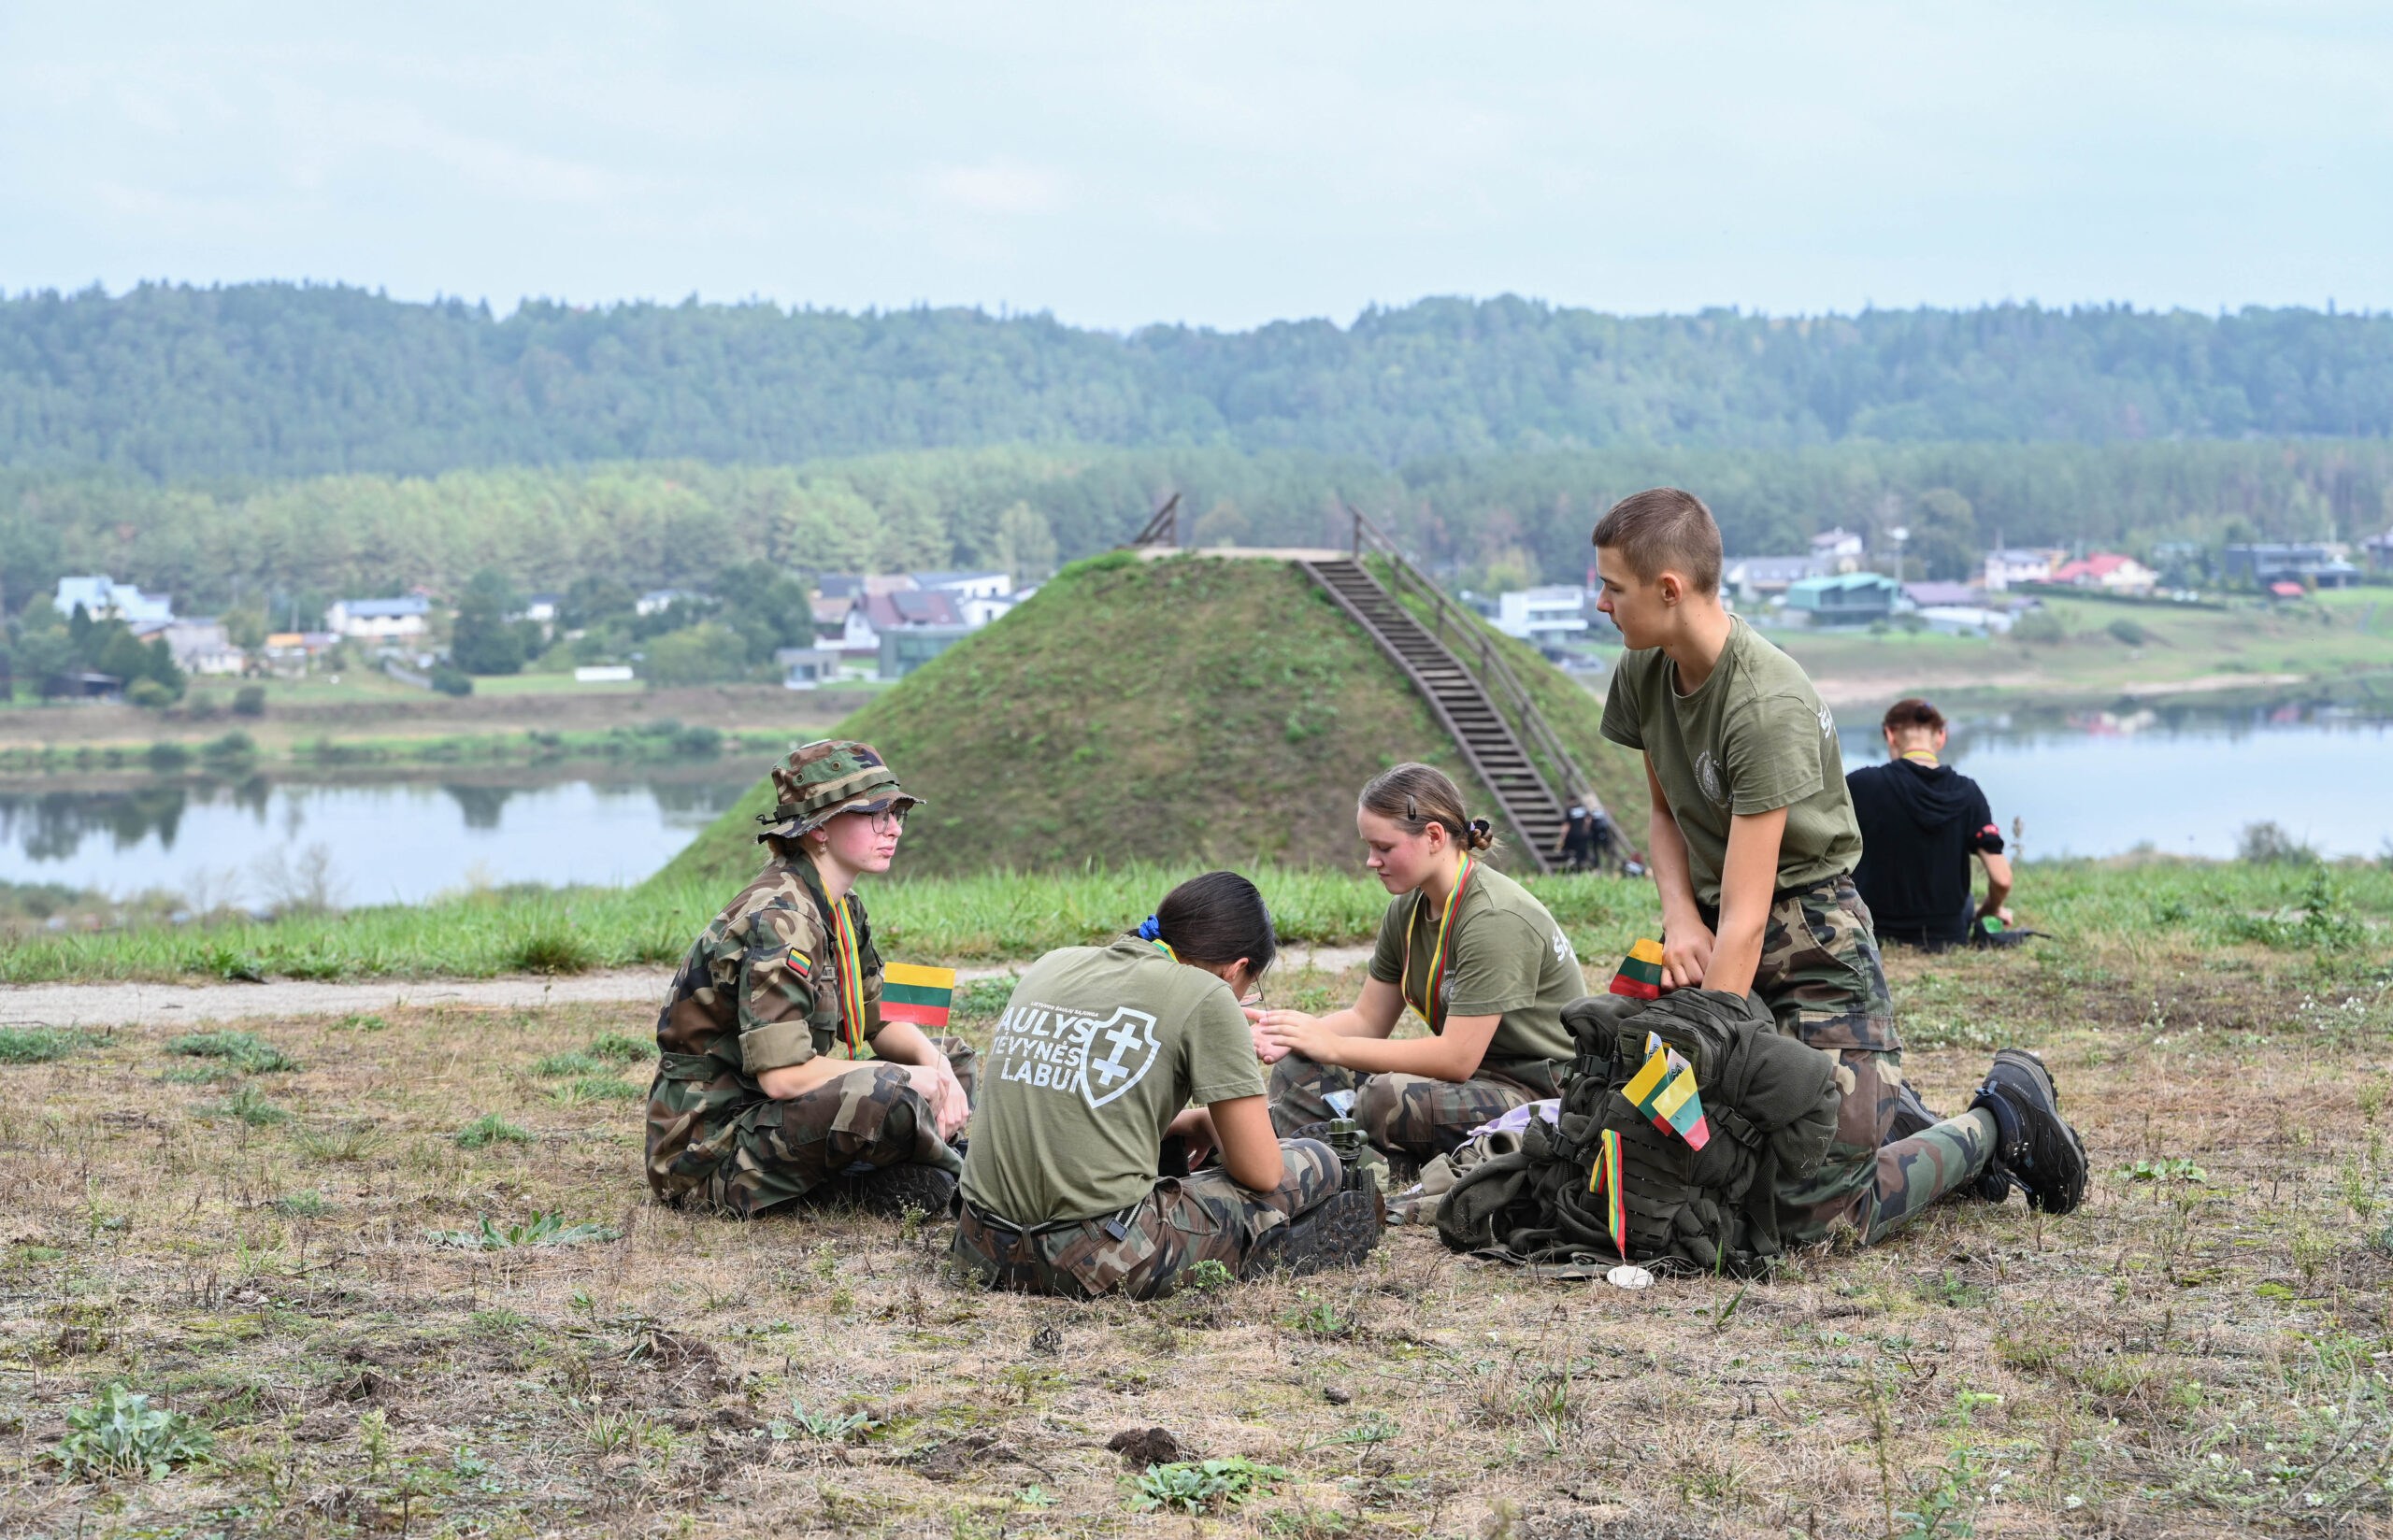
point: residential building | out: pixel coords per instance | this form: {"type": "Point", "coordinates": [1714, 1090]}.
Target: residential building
{"type": "Point", "coordinates": [657, 599]}
{"type": "Point", "coordinates": [1546, 618]}
{"type": "Point", "coordinates": [541, 607]}
{"type": "Point", "coordinates": [2315, 565]}
{"type": "Point", "coordinates": [1756, 580]}
{"type": "Point", "coordinates": [380, 620]}
{"type": "Point", "coordinates": [905, 649]}
{"type": "Point", "coordinates": [1838, 551]}
{"type": "Point", "coordinates": [2017, 565]}
{"type": "Point", "coordinates": [808, 667]}
{"type": "Point", "coordinates": [1846, 598]}
{"type": "Point", "coordinates": [103, 598]}
{"type": "Point", "coordinates": [2108, 571]}
{"type": "Point", "coordinates": [980, 597]}
{"type": "Point", "coordinates": [2379, 551]}
{"type": "Point", "coordinates": [200, 647]}
{"type": "Point", "coordinates": [905, 609]}
{"type": "Point", "coordinates": [1945, 596]}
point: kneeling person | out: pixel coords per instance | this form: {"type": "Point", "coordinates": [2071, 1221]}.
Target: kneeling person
{"type": "Point", "coordinates": [759, 1099]}
{"type": "Point", "coordinates": [1093, 1065]}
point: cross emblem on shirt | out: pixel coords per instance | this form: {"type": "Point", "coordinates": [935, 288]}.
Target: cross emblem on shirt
{"type": "Point", "coordinates": [1123, 1038]}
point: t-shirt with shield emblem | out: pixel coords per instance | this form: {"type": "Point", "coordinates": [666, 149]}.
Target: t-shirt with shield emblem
{"type": "Point", "coordinates": [1751, 738]}
{"type": "Point", "coordinates": [1098, 1050]}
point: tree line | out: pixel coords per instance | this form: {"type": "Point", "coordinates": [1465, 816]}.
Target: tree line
{"type": "Point", "coordinates": [272, 381]}
{"type": "Point", "coordinates": [280, 551]}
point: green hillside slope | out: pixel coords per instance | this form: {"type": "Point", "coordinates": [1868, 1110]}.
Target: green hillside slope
{"type": "Point", "coordinates": [1187, 710]}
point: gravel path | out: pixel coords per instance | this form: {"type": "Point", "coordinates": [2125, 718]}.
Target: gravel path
{"type": "Point", "coordinates": [152, 1004]}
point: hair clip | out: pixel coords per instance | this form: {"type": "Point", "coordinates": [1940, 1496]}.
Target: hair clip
{"type": "Point", "coordinates": [1150, 929]}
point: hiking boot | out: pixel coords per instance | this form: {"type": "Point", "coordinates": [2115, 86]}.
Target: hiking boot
{"type": "Point", "coordinates": [892, 1190]}
{"type": "Point", "coordinates": [2034, 1146]}
{"type": "Point", "coordinates": [1337, 1232]}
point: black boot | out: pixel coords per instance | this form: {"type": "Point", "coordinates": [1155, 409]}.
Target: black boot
{"type": "Point", "coordinates": [2034, 1146]}
{"type": "Point", "coordinates": [1340, 1230]}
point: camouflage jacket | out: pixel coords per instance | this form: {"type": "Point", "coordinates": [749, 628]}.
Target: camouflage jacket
{"type": "Point", "coordinates": [759, 990]}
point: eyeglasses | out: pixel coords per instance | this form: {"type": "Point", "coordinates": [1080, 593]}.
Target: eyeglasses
{"type": "Point", "coordinates": [891, 821]}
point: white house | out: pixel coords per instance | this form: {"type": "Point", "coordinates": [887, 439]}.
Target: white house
{"type": "Point", "coordinates": [1754, 579]}
{"type": "Point", "coordinates": [103, 598]}
{"type": "Point", "coordinates": [380, 620]}
{"type": "Point", "coordinates": [1546, 616]}
{"type": "Point", "coordinates": [1837, 550]}
{"type": "Point", "coordinates": [542, 607]}
{"type": "Point", "coordinates": [2016, 565]}
{"type": "Point", "coordinates": [659, 598]}
{"type": "Point", "coordinates": [980, 597]}
{"type": "Point", "coordinates": [201, 646]}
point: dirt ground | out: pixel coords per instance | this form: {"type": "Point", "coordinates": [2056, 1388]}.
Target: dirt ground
{"type": "Point", "coordinates": [2200, 1349]}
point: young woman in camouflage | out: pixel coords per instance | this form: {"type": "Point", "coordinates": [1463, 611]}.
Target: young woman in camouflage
{"type": "Point", "coordinates": [759, 1098]}
{"type": "Point", "coordinates": [1469, 951]}
{"type": "Point", "coordinates": [1753, 842]}
{"type": "Point", "coordinates": [1093, 1065]}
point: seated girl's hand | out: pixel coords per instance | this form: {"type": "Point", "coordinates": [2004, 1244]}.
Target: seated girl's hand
{"type": "Point", "coordinates": [1266, 1050]}
{"type": "Point", "coordinates": [1293, 1031]}
{"type": "Point", "coordinates": [937, 1086]}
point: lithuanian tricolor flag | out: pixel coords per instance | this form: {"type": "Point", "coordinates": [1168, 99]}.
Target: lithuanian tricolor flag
{"type": "Point", "coordinates": [1641, 972]}
{"type": "Point", "coordinates": [920, 995]}
{"type": "Point", "coordinates": [1664, 1090]}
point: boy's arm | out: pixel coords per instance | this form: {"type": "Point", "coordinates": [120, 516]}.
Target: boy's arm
{"type": "Point", "coordinates": [1998, 885]}
{"type": "Point", "coordinates": [1686, 940]}
{"type": "Point", "coordinates": [1748, 886]}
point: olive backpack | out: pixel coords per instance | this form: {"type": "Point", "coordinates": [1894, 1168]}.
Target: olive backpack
{"type": "Point", "coordinates": [1769, 1101]}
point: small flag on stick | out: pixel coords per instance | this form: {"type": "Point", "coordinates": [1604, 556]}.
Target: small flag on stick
{"type": "Point", "coordinates": [1641, 972]}
{"type": "Point", "coordinates": [920, 995]}
{"type": "Point", "coordinates": [1664, 1090]}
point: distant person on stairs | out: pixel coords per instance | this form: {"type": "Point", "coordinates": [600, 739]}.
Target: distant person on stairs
{"type": "Point", "coordinates": [1921, 821]}
{"type": "Point", "coordinates": [1469, 951]}
{"type": "Point", "coordinates": [778, 1081]}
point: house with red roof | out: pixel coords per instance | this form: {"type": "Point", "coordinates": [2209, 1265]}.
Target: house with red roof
{"type": "Point", "coordinates": [2108, 571]}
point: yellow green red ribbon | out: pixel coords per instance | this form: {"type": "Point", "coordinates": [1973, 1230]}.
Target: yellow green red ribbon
{"type": "Point", "coordinates": [1437, 960]}
{"type": "Point", "coordinates": [1606, 1178]}
{"type": "Point", "coordinates": [851, 978]}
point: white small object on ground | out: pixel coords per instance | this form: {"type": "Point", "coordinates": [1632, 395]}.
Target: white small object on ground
{"type": "Point", "coordinates": [1629, 1277]}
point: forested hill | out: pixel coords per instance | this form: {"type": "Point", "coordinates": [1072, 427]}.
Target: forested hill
{"type": "Point", "coordinates": [276, 379]}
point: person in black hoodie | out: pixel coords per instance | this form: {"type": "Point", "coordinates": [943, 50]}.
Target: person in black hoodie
{"type": "Point", "coordinates": [1920, 824]}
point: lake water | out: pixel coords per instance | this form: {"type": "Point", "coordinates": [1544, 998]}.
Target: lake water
{"type": "Point", "coordinates": [2183, 779]}
{"type": "Point", "coordinates": [264, 843]}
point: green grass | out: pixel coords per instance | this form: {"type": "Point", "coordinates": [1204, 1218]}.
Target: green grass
{"type": "Point", "coordinates": [1185, 710]}
{"type": "Point", "coordinates": [1001, 915]}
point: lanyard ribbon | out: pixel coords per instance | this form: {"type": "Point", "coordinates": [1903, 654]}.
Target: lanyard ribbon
{"type": "Point", "coordinates": [1606, 1178]}
{"type": "Point", "coordinates": [1427, 1004]}
{"type": "Point", "coordinates": [851, 967]}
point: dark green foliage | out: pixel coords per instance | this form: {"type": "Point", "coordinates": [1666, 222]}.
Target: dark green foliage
{"type": "Point", "coordinates": [491, 1129]}
{"type": "Point", "coordinates": [551, 948]}
{"type": "Point", "coordinates": [2128, 631]}
{"type": "Point", "coordinates": [483, 641]}
{"type": "Point", "coordinates": [233, 750]}
{"type": "Point", "coordinates": [615, 1047]}
{"type": "Point", "coordinates": [250, 701]}
{"type": "Point", "coordinates": [245, 1051]}
{"type": "Point", "coordinates": [277, 379]}
{"type": "Point", "coordinates": [451, 681]}
{"type": "Point", "coordinates": [168, 758]}
{"type": "Point", "coordinates": [38, 1044]}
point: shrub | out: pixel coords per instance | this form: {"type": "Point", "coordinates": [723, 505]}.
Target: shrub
{"type": "Point", "coordinates": [2128, 631]}
{"type": "Point", "coordinates": [250, 701]}
{"type": "Point", "coordinates": [2037, 625]}
{"type": "Point", "coordinates": [1204, 1486]}
{"type": "Point", "coordinates": [617, 1049]}
{"type": "Point", "coordinates": [451, 681]}
{"type": "Point", "coordinates": [491, 1129]}
{"type": "Point", "coordinates": [202, 707]}
{"type": "Point", "coordinates": [148, 694]}
{"type": "Point", "coordinates": [234, 748]}
{"type": "Point", "coordinates": [168, 758]}
{"type": "Point", "coordinates": [705, 653]}
{"type": "Point", "coordinates": [697, 743]}
{"type": "Point", "coordinates": [2267, 844]}
{"type": "Point", "coordinates": [250, 1106]}
{"type": "Point", "coordinates": [570, 1062]}
{"type": "Point", "coordinates": [120, 1434]}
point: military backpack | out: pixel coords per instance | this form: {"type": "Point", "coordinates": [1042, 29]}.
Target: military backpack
{"type": "Point", "coordinates": [1770, 1105]}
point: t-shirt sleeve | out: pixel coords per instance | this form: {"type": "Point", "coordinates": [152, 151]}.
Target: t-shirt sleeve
{"type": "Point", "coordinates": [1986, 836]}
{"type": "Point", "coordinates": [1772, 750]}
{"type": "Point", "coordinates": [1621, 723]}
{"type": "Point", "coordinates": [776, 992]}
{"type": "Point", "coordinates": [1220, 1051]}
{"type": "Point", "coordinates": [1498, 961]}
{"type": "Point", "coordinates": [1387, 953]}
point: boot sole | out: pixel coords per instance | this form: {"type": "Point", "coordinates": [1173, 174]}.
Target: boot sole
{"type": "Point", "coordinates": [893, 1190]}
{"type": "Point", "coordinates": [1341, 1231]}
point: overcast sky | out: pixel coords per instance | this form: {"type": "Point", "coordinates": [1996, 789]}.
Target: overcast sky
{"type": "Point", "coordinates": [1219, 163]}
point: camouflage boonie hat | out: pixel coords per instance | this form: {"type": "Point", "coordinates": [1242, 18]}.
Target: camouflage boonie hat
{"type": "Point", "coordinates": [824, 778]}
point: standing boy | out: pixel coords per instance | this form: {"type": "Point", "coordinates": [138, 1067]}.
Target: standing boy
{"type": "Point", "coordinates": [1752, 843]}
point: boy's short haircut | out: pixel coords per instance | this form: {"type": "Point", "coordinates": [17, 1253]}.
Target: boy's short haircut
{"type": "Point", "coordinates": [1912, 714]}
{"type": "Point", "coordinates": [1663, 528]}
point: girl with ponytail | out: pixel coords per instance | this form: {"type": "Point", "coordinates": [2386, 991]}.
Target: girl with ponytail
{"type": "Point", "coordinates": [1469, 951]}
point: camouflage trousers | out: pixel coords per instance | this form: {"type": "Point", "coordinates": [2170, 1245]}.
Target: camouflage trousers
{"type": "Point", "coordinates": [1146, 1249]}
{"type": "Point", "coordinates": [777, 1151]}
{"type": "Point", "coordinates": [1409, 1114]}
{"type": "Point", "coordinates": [1821, 976]}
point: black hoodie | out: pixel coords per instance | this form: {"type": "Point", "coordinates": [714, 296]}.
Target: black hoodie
{"type": "Point", "coordinates": [1919, 824]}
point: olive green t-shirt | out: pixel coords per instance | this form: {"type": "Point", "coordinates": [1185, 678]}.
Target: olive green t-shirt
{"type": "Point", "coordinates": [1754, 738]}
{"type": "Point", "coordinates": [1100, 1048]}
{"type": "Point", "coordinates": [1508, 959]}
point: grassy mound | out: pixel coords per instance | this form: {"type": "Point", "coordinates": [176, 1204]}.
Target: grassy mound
{"type": "Point", "coordinates": [1185, 710]}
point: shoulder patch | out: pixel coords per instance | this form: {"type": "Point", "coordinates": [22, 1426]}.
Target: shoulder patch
{"type": "Point", "coordinates": [800, 963]}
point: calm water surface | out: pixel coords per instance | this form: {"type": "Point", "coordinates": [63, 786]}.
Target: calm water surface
{"type": "Point", "coordinates": [2183, 779]}
{"type": "Point", "coordinates": [262, 843]}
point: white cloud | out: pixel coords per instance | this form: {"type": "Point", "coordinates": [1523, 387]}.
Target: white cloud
{"type": "Point", "coordinates": [999, 187]}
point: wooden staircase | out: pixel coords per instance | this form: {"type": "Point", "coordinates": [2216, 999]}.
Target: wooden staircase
{"type": "Point", "coordinates": [1490, 716]}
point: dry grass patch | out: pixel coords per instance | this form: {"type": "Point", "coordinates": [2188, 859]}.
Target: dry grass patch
{"type": "Point", "coordinates": [2198, 1349]}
